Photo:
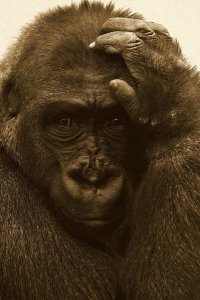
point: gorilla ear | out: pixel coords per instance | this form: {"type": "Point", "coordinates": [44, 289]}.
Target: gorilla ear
{"type": "Point", "coordinates": [13, 103]}
{"type": "Point", "coordinates": [10, 98]}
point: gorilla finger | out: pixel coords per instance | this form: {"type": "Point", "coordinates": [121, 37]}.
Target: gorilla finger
{"type": "Point", "coordinates": [115, 42]}
{"type": "Point", "coordinates": [128, 24]}
{"type": "Point", "coordinates": [159, 29]}
{"type": "Point", "coordinates": [127, 97]}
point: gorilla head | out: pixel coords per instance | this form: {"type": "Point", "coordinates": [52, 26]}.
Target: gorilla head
{"type": "Point", "coordinates": [70, 135]}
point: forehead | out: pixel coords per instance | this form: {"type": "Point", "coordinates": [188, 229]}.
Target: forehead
{"type": "Point", "coordinates": [88, 91]}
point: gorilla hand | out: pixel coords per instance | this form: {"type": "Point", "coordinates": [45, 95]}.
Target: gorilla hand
{"type": "Point", "coordinates": [159, 70]}
{"type": "Point", "coordinates": [163, 257]}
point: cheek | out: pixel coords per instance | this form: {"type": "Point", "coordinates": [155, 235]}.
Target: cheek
{"type": "Point", "coordinates": [36, 159]}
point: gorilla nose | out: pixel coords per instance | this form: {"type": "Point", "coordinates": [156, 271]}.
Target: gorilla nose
{"type": "Point", "coordinates": [103, 183]}
{"type": "Point", "coordinates": [90, 171]}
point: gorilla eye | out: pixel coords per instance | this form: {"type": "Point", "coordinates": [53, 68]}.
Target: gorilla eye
{"type": "Point", "coordinates": [65, 122]}
{"type": "Point", "coordinates": [115, 122]}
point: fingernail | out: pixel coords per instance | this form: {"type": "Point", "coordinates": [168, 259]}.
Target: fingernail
{"type": "Point", "coordinates": [92, 45]}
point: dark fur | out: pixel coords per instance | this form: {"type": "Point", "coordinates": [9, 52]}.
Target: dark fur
{"type": "Point", "coordinates": [39, 259]}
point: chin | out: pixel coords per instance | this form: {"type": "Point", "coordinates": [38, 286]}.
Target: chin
{"type": "Point", "coordinates": [92, 226]}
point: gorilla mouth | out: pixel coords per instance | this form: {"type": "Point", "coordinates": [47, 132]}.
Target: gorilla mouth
{"type": "Point", "coordinates": [94, 221]}
{"type": "Point", "coordinates": [98, 222]}
{"type": "Point", "coordinates": [91, 223]}
{"type": "Point", "coordinates": [93, 226]}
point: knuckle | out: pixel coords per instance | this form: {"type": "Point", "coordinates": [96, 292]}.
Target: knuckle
{"type": "Point", "coordinates": [143, 30]}
{"type": "Point", "coordinates": [132, 41]}
{"type": "Point", "coordinates": [158, 28]}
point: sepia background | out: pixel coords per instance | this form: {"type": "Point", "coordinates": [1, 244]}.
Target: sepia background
{"type": "Point", "coordinates": [181, 17]}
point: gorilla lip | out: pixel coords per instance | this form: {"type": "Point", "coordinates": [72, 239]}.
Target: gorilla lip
{"type": "Point", "coordinates": [97, 222]}
{"type": "Point", "coordinates": [93, 221]}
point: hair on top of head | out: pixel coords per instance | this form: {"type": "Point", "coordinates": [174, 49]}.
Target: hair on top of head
{"type": "Point", "coordinates": [59, 38]}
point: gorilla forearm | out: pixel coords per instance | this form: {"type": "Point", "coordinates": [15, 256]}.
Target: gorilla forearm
{"type": "Point", "coordinates": [167, 210]}
{"type": "Point", "coordinates": [165, 246]}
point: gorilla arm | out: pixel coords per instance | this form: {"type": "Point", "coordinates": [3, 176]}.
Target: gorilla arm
{"type": "Point", "coordinates": [163, 257]}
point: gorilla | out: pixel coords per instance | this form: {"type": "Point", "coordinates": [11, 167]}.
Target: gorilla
{"type": "Point", "coordinates": [99, 160]}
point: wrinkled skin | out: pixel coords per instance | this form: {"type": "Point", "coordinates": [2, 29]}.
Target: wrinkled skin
{"type": "Point", "coordinates": [163, 257]}
{"type": "Point", "coordinates": [97, 141]}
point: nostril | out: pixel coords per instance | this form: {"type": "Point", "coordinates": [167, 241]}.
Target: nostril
{"type": "Point", "coordinates": [90, 178]}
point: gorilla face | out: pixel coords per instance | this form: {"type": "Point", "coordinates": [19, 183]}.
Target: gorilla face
{"type": "Point", "coordinates": [90, 142]}
{"type": "Point", "coordinates": [76, 144]}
